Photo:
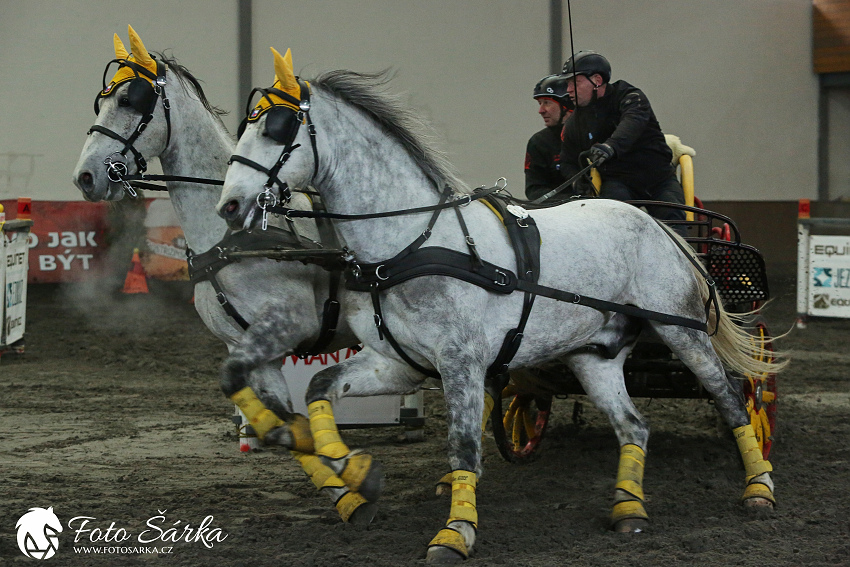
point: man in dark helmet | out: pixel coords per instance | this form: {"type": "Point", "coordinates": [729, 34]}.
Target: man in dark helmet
{"type": "Point", "coordinates": [614, 122]}
{"type": "Point", "coordinates": [543, 152]}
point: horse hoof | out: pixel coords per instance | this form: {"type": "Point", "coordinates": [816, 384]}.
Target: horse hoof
{"type": "Point", "coordinates": [631, 526]}
{"type": "Point", "coordinates": [439, 555]}
{"type": "Point", "coordinates": [758, 504]}
{"type": "Point", "coordinates": [364, 514]}
{"type": "Point", "coordinates": [444, 489]}
{"type": "Point", "coordinates": [373, 485]}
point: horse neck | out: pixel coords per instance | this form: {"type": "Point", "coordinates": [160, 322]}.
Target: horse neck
{"type": "Point", "coordinates": [364, 170]}
{"type": "Point", "coordinates": [200, 147]}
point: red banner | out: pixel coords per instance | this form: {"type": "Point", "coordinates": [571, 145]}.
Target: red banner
{"type": "Point", "coordinates": [67, 241]}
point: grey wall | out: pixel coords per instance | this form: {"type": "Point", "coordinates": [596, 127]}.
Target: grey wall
{"type": "Point", "coordinates": [732, 78]}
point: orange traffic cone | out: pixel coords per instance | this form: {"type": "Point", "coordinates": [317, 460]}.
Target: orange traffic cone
{"type": "Point", "coordinates": [135, 281]}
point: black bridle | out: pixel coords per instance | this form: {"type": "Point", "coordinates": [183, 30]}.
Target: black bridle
{"type": "Point", "coordinates": [142, 95]}
{"type": "Point", "coordinates": [282, 125]}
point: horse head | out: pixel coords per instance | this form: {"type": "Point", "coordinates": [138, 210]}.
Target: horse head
{"type": "Point", "coordinates": [272, 135]}
{"type": "Point", "coordinates": [130, 126]}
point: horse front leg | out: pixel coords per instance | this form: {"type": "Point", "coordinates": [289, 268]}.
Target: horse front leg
{"type": "Point", "coordinates": [251, 377]}
{"type": "Point", "coordinates": [463, 386]}
{"type": "Point", "coordinates": [367, 374]}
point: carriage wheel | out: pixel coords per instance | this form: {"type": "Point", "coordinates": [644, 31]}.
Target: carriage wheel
{"type": "Point", "coordinates": [760, 395]}
{"type": "Point", "coordinates": [519, 431]}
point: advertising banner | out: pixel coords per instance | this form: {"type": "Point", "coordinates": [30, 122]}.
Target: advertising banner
{"type": "Point", "coordinates": [829, 273]}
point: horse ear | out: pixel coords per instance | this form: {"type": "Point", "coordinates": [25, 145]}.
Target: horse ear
{"type": "Point", "coordinates": [284, 73]}
{"type": "Point", "coordinates": [120, 50]}
{"type": "Point", "coordinates": [140, 54]}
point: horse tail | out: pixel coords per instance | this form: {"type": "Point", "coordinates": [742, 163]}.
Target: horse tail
{"type": "Point", "coordinates": [740, 348]}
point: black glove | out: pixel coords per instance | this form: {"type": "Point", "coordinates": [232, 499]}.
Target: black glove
{"type": "Point", "coordinates": [583, 186]}
{"type": "Point", "coordinates": [600, 153]}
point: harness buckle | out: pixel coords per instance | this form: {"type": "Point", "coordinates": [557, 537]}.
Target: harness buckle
{"type": "Point", "coordinates": [378, 320]}
{"type": "Point", "coordinates": [222, 299]}
{"type": "Point", "coordinates": [503, 277]}
{"type": "Point", "coordinates": [378, 273]}
{"type": "Point", "coordinates": [222, 253]}
{"type": "Point", "coordinates": [141, 127]}
{"type": "Point", "coordinates": [470, 241]}
{"type": "Point", "coordinates": [577, 299]}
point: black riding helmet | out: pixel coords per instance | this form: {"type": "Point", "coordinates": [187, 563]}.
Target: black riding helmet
{"type": "Point", "coordinates": [587, 63]}
{"type": "Point", "coordinates": [554, 87]}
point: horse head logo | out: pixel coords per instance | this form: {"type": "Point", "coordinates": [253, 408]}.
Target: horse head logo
{"type": "Point", "coordinates": [38, 533]}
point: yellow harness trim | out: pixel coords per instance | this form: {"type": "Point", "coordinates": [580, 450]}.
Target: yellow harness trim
{"type": "Point", "coordinates": [492, 208]}
{"type": "Point", "coordinates": [326, 437]}
{"type": "Point", "coordinates": [302, 439]}
{"type": "Point", "coordinates": [259, 416]}
{"type": "Point", "coordinates": [630, 471]}
{"type": "Point", "coordinates": [489, 402]}
{"type": "Point", "coordinates": [463, 498]}
{"type": "Point", "coordinates": [356, 470]}
{"type": "Point", "coordinates": [349, 502]}
{"type": "Point", "coordinates": [264, 105]}
{"type": "Point", "coordinates": [447, 537]}
{"type": "Point", "coordinates": [754, 464]}
{"type": "Point", "coordinates": [320, 474]}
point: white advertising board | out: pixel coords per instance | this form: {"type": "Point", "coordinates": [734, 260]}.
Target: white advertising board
{"type": "Point", "coordinates": [15, 262]}
{"type": "Point", "coordinates": [374, 410]}
{"type": "Point", "coordinates": [829, 276]}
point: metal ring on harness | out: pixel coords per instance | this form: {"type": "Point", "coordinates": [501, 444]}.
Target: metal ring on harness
{"type": "Point", "coordinates": [117, 168]}
{"type": "Point", "coordinates": [504, 277]}
{"type": "Point", "coordinates": [577, 299]}
{"type": "Point", "coordinates": [378, 274]}
{"type": "Point", "coordinates": [266, 199]}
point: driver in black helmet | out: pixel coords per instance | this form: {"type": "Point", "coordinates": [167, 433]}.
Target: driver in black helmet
{"type": "Point", "coordinates": [614, 122]}
{"type": "Point", "coordinates": [543, 152]}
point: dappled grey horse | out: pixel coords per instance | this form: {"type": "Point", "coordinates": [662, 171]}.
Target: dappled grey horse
{"type": "Point", "coordinates": [373, 160]}
{"type": "Point", "coordinates": [282, 302]}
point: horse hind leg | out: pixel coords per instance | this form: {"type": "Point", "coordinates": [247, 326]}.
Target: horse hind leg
{"type": "Point", "coordinates": [602, 380]}
{"type": "Point", "coordinates": [695, 350]}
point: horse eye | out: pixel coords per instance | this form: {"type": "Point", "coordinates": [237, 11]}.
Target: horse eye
{"type": "Point", "coordinates": [123, 101]}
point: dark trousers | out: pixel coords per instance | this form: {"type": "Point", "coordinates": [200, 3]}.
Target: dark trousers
{"type": "Point", "coordinates": [669, 191]}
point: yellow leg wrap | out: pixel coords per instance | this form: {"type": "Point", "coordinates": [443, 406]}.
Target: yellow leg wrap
{"type": "Point", "coordinates": [447, 537]}
{"type": "Point", "coordinates": [301, 437]}
{"type": "Point", "coordinates": [259, 416]}
{"type": "Point", "coordinates": [349, 502]}
{"type": "Point", "coordinates": [630, 481]}
{"type": "Point", "coordinates": [630, 471]}
{"type": "Point", "coordinates": [754, 464]}
{"type": "Point", "coordinates": [320, 474]}
{"type": "Point", "coordinates": [356, 470]}
{"type": "Point", "coordinates": [628, 510]}
{"type": "Point", "coordinates": [489, 402]}
{"type": "Point", "coordinates": [326, 437]}
{"type": "Point", "coordinates": [758, 490]}
{"type": "Point", "coordinates": [446, 480]}
{"type": "Point", "coordinates": [463, 498]}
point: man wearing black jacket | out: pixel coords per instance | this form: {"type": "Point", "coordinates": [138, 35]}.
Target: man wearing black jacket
{"type": "Point", "coordinates": [614, 122]}
{"type": "Point", "coordinates": [543, 151]}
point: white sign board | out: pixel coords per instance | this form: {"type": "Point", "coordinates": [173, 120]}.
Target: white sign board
{"type": "Point", "coordinates": [374, 410]}
{"type": "Point", "coordinates": [829, 276]}
{"type": "Point", "coordinates": [14, 285]}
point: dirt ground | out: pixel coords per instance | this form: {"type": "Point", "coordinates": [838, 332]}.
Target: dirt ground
{"type": "Point", "coordinates": [114, 413]}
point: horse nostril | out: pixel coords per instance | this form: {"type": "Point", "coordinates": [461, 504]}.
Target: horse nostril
{"type": "Point", "coordinates": [231, 208]}
{"type": "Point", "coordinates": [85, 179]}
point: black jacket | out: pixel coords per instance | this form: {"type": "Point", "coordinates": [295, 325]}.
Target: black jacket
{"type": "Point", "coordinates": [542, 162]}
{"type": "Point", "coordinates": [623, 119]}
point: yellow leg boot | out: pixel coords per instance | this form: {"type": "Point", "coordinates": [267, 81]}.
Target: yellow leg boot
{"type": "Point", "coordinates": [629, 514]}
{"type": "Point", "coordinates": [359, 472]}
{"type": "Point", "coordinates": [259, 416]}
{"type": "Point", "coordinates": [454, 542]}
{"type": "Point", "coordinates": [759, 489]}
{"type": "Point", "coordinates": [352, 507]}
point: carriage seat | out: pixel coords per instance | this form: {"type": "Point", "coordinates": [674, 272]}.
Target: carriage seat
{"type": "Point", "coordinates": [682, 161]}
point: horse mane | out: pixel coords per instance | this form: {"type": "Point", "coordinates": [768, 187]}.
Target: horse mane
{"type": "Point", "coordinates": [186, 78]}
{"type": "Point", "coordinates": [368, 92]}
